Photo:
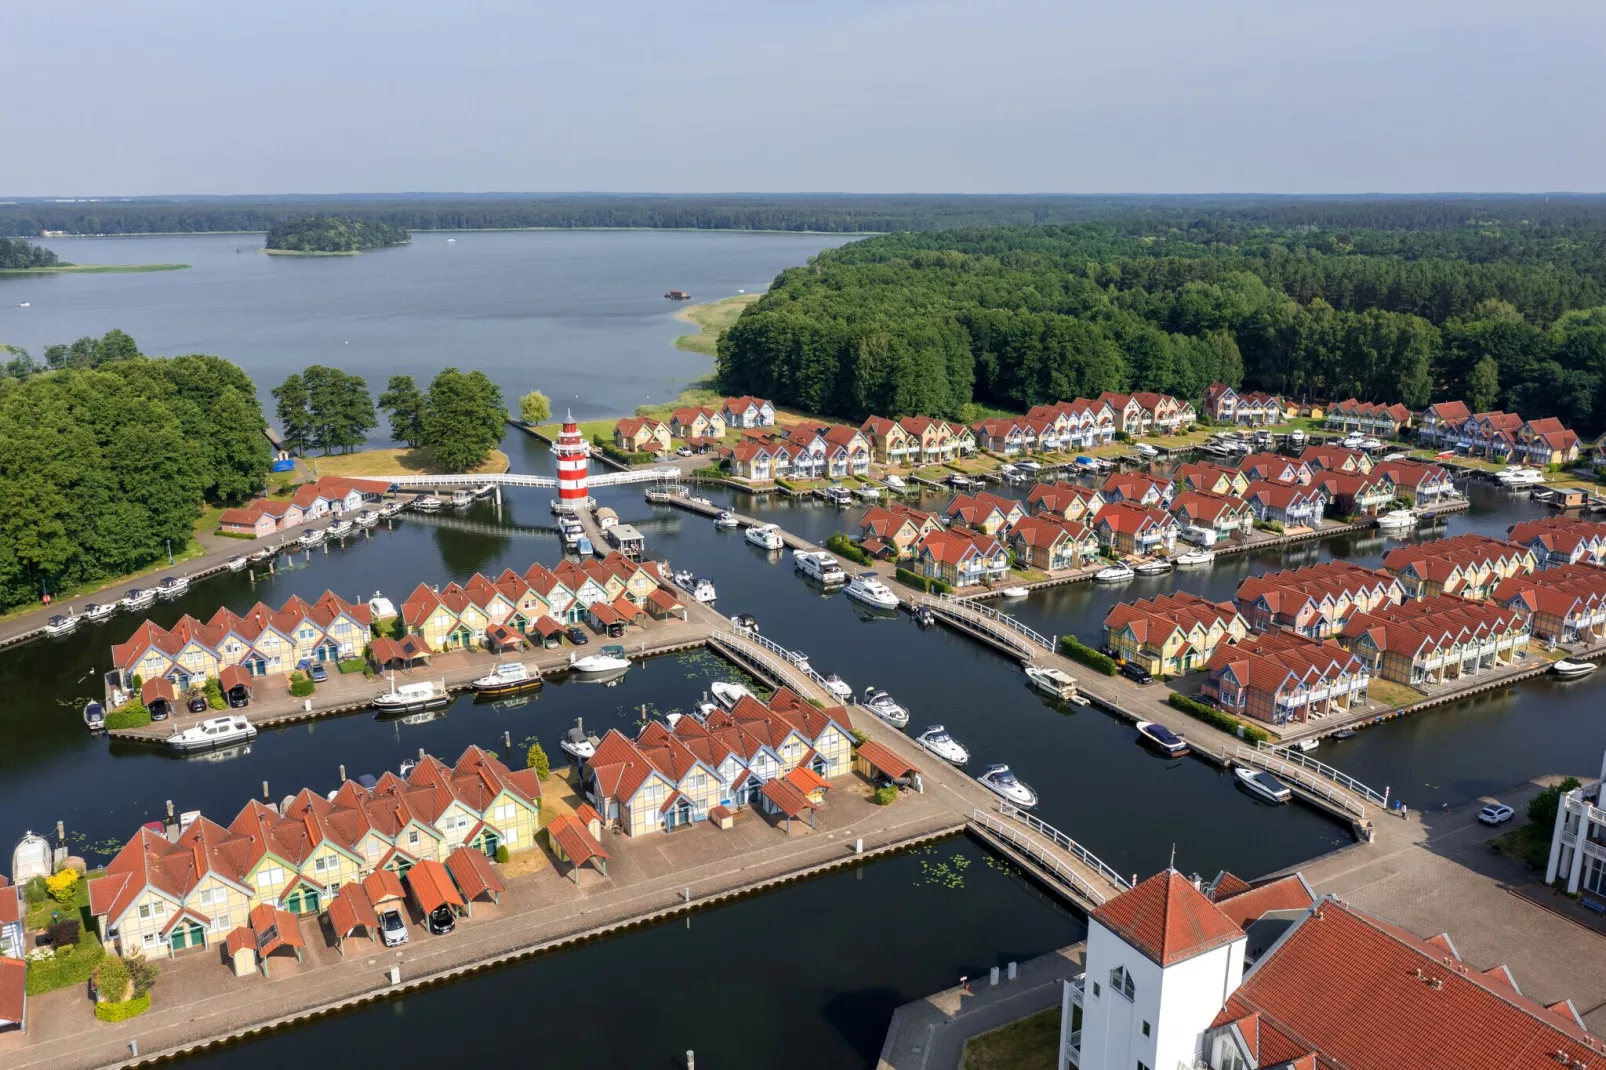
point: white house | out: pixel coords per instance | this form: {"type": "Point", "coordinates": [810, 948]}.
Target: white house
{"type": "Point", "coordinates": [1578, 841]}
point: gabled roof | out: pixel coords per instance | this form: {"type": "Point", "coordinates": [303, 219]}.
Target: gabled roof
{"type": "Point", "coordinates": [1167, 919]}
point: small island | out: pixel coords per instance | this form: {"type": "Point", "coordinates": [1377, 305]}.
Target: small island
{"type": "Point", "coordinates": [332, 236]}
{"type": "Point", "coordinates": [20, 257]}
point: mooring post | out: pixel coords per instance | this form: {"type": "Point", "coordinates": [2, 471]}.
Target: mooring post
{"type": "Point", "coordinates": [691, 1059]}
{"type": "Point", "coordinates": [265, 796]}
{"type": "Point", "coordinates": [342, 772]}
{"type": "Point", "coordinates": [687, 893]}
{"type": "Point", "coordinates": [507, 741]}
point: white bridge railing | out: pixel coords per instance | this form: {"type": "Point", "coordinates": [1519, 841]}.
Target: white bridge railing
{"type": "Point", "coordinates": [1017, 837]}
{"type": "Point", "coordinates": [1335, 775]}
{"type": "Point", "coordinates": [1092, 860]}
{"type": "Point", "coordinates": [787, 663]}
{"type": "Point", "coordinates": [966, 606]}
{"type": "Point", "coordinates": [520, 479]}
{"type": "Point", "coordinates": [1306, 779]}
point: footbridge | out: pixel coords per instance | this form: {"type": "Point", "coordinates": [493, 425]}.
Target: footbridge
{"type": "Point", "coordinates": [412, 481]}
{"type": "Point", "coordinates": [987, 624]}
{"type": "Point", "coordinates": [1051, 853]}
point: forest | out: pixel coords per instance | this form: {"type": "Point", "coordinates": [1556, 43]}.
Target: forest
{"type": "Point", "coordinates": [16, 255]}
{"type": "Point", "coordinates": [329, 234]}
{"type": "Point", "coordinates": [103, 464]}
{"type": "Point", "coordinates": [1418, 307]}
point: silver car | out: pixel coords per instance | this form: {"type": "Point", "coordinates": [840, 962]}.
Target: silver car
{"type": "Point", "coordinates": [392, 928]}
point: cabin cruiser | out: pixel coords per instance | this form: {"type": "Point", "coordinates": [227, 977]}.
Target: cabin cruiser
{"type": "Point", "coordinates": [390, 509]}
{"type": "Point", "coordinates": [704, 592]}
{"type": "Point", "coordinates": [1144, 450]}
{"type": "Point", "coordinates": [745, 622]}
{"type": "Point", "coordinates": [138, 598]}
{"type": "Point", "coordinates": [339, 529]}
{"type": "Point", "coordinates": [264, 555]}
{"type": "Point", "coordinates": [1056, 682]}
{"type": "Point", "coordinates": [411, 697]}
{"type": "Point", "coordinates": [1521, 477]}
{"type": "Point", "coordinates": [839, 688]}
{"type": "Point", "coordinates": [869, 494]}
{"type": "Point", "coordinates": [1156, 567]}
{"type": "Point", "coordinates": [1114, 574]}
{"type": "Point", "coordinates": [819, 565]}
{"type": "Point", "coordinates": [236, 563]}
{"type": "Point", "coordinates": [570, 530]}
{"type": "Point", "coordinates": [311, 537]}
{"type": "Point", "coordinates": [868, 588]}
{"type": "Point", "coordinates": [728, 694]}
{"type": "Point", "coordinates": [462, 499]}
{"type": "Point", "coordinates": [837, 494]}
{"type": "Point", "coordinates": [381, 607]}
{"type": "Point", "coordinates": [427, 504]}
{"type": "Point", "coordinates": [173, 586]}
{"type": "Point", "coordinates": [1162, 739]}
{"type": "Point", "coordinates": [895, 482]}
{"type": "Point", "coordinates": [583, 547]}
{"type": "Point", "coordinates": [96, 611]}
{"type": "Point", "coordinates": [1568, 669]}
{"type": "Point", "coordinates": [767, 536]}
{"type": "Point", "coordinates": [1296, 438]}
{"type": "Point", "coordinates": [1262, 785]}
{"type": "Point", "coordinates": [1015, 592]}
{"type": "Point", "coordinates": [683, 578]}
{"type": "Point", "coordinates": [213, 732]}
{"type": "Point", "coordinates": [1370, 443]}
{"type": "Point", "coordinates": [1396, 519]}
{"type": "Point", "coordinates": [1002, 781]}
{"type": "Point", "coordinates": [726, 519]}
{"type": "Point", "coordinates": [94, 716]}
{"type": "Point", "coordinates": [924, 616]}
{"type": "Point", "coordinates": [1195, 558]}
{"type": "Point", "coordinates": [365, 519]}
{"type": "Point", "coordinates": [1353, 440]}
{"type": "Point", "coordinates": [937, 740]}
{"type": "Point", "coordinates": [61, 624]}
{"type": "Point", "coordinates": [1030, 468]}
{"type": "Point", "coordinates": [506, 678]}
{"type": "Point", "coordinates": [595, 664]}
{"type": "Point", "coordinates": [578, 743]}
{"type": "Point", "coordinates": [882, 705]}
{"type": "Point", "coordinates": [1086, 464]}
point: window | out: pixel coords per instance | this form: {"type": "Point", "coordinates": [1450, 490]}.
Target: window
{"type": "Point", "coordinates": [371, 849]}
{"type": "Point", "coordinates": [221, 924]}
{"type": "Point", "coordinates": [505, 814]}
{"type": "Point", "coordinates": [326, 864]}
{"type": "Point", "coordinates": [1145, 1028]}
{"type": "Point", "coordinates": [510, 836]}
{"type": "Point", "coordinates": [1142, 1065]}
{"type": "Point", "coordinates": [211, 897]}
{"type": "Point", "coordinates": [1121, 981]}
{"type": "Point", "coordinates": [412, 837]}
{"type": "Point", "coordinates": [150, 939]}
{"type": "Point", "coordinates": [1095, 990]}
{"type": "Point", "coordinates": [270, 876]}
{"type": "Point", "coordinates": [152, 910]}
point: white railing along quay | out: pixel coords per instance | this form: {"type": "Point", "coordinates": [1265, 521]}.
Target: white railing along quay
{"type": "Point", "coordinates": [1305, 779]}
{"type": "Point", "coordinates": [1299, 758]}
{"type": "Point", "coordinates": [1017, 838]}
{"type": "Point", "coordinates": [520, 479]}
{"type": "Point", "coordinates": [786, 665]}
{"type": "Point", "coordinates": [964, 605]}
{"type": "Point", "coordinates": [1066, 843]}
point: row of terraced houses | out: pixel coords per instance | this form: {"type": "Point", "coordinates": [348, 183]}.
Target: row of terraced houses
{"type": "Point", "coordinates": [1501, 436]}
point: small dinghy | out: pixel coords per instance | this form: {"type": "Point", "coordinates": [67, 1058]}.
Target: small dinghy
{"type": "Point", "coordinates": [1262, 785]}
{"type": "Point", "coordinates": [937, 740]}
{"type": "Point", "coordinates": [883, 706]}
{"type": "Point", "coordinates": [999, 779]}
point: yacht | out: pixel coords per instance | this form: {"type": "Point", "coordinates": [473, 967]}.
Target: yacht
{"type": "Point", "coordinates": [1296, 438]}
{"type": "Point", "coordinates": [236, 563]}
{"type": "Point", "coordinates": [390, 509]}
{"type": "Point", "coordinates": [868, 588]}
{"type": "Point", "coordinates": [767, 536]}
{"type": "Point", "coordinates": [819, 565]}
{"type": "Point", "coordinates": [1001, 780]}
{"type": "Point", "coordinates": [1353, 440]}
{"type": "Point", "coordinates": [1370, 443]}
{"type": "Point", "coordinates": [728, 694]}
{"type": "Point", "coordinates": [960, 482]}
{"type": "Point", "coordinates": [138, 598]}
{"type": "Point", "coordinates": [583, 547]}
{"type": "Point", "coordinates": [173, 586]}
{"type": "Point", "coordinates": [596, 664]}
{"type": "Point", "coordinates": [427, 504]}
{"type": "Point", "coordinates": [1158, 566]}
{"type": "Point", "coordinates": [266, 554]}
{"type": "Point", "coordinates": [338, 530]}
{"type": "Point", "coordinates": [506, 678]}
{"type": "Point", "coordinates": [1568, 669]}
{"type": "Point", "coordinates": [683, 578]}
{"type": "Point", "coordinates": [411, 697]}
{"type": "Point", "coordinates": [1262, 785]}
{"type": "Point", "coordinates": [895, 482]}
{"type": "Point", "coordinates": [1030, 468]}
{"type": "Point", "coordinates": [94, 716]}
{"type": "Point", "coordinates": [578, 743]}
{"type": "Point", "coordinates": [213, 732]}
{"type": "Point", "coordinates": [882, 705]}
{"type": "Point", "coordinates": [96, 611]}
{"type": "Point", "coordinates": [868, 493]}
{"type": "Point", "coordinates": [837, 494]}
{"type": "Point", "coordinates": [61, 624]}
{"type": "Point", "coordinates": [839, 688]}
{"type": "Point", "coordinates": [937, 740]}
{"type": "Point", "coordinates": [1015, 592]}
{"type": "Point", "coordinates": [704, 592]}
{"type": "Point", "coordinates": [311, 537]}
{"type": "Point", "coordinates": [1397, 520]}
{"type": "Point", "coordinates": [380, 607]}
{"type": "Point", "coordinates": [1056, 682]}
{"type": "Point", "coordinates": [726, 519]}
{"type": "Point", "coordinates": [462, 499]}
{"type": "Point", "coordinates": [1162, 739]}
{"type": "Point", "coordinates": [365, 519]}
{"type": "Point", "coordinates": [1195, 559]}
{"type": "Point", "coordinates": [1114, 574]}
{"type": "Point", "coordinates": [1521, 477]}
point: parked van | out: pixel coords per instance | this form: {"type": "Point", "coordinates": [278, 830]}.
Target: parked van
{"type": "Point", "coordinates": [1200, 536]}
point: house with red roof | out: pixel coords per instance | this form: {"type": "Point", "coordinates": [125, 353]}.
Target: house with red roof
{"type": "Point", "coordinates": [987, 513]}
{"type": "Point", "coordinates": [1126, 528]}
{"type": "Point", "coordinates": [961, 558]}
{"type": "Point", "coordinates": [1439, 423]}
{"type": "Point", "coordinates": [889, 442]}
{"type": "Point", "coordinates": [1049, 542]}
{"type": "Point", "coordinates": [1065, 500]}
{"type": "Point", "coordinates": [1001, 435]}
{"type": "Point", "coordinates": [1314, 601]}
{"type": "Point", "coordinates": [1213, 478]}
{"type": "Point", "coordinates": [747, 411]}
{"type": "Point", "coordinates": [1561, 540]}
{"type": "Point", "coordinates": [1224, 515]}
{"type": "Point", "coordinates": [1469, 565]}
{"type": "Point", "coordinates": [1171, 634]}
{"type": "Point", "coordinates": [1566, 603]}
{"type": "Point", "coordinates": [1354, 494]}
{"type": "Point", "coordinates": [1546, 442]}
{"type": "Point", "coordinates": [1368, 417]}
{"type": "Point", "coordinates": [1416, 482]}
{"type": "Point", "coordinates": [1225, 405]}
{"type": "Point", "coordinates": [636, 434]}
{"type": "Point", "coordinates": [1438, 639]}
{"type": "Point", "coordinates": [1275, 466]}
{"type": "Point", "coordinates": [695, 421]}
{"type": "Point", "coordinates": [932, 441]}
{"type": "Point", "coordinates": [1137, 488]}
{"type": "Point", "coordinates": [1289, 504]}
{"type": "Point", "coordinates": [1281, 677]}
{"type": "Point", "coordinates": [895, 530]}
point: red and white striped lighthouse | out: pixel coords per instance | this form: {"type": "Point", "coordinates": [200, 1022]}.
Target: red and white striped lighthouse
{"type": "Point", "coordinates": [572, 452]}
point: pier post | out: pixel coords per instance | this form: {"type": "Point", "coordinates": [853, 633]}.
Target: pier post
{"type": "Point", "coordinates": [342, 773]}
{"type": "Point", "coordinates": [687, 893]}
{"type": "Point", "coordinates": [1012, 970]}
{"type": "Point", "coordinates": [265, 796]}
{"type": "Point", "coordinates": [133, 1048]}
{"type": "Point", "coordinates": [992, 977]}
{"type": "Point", "coordinates": [507, 742]}
{"type": "Point", "coordinates": [691, 1059]}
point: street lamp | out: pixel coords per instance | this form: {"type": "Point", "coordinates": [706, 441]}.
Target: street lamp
{"type": "Point", "coordinates": [170, 560]}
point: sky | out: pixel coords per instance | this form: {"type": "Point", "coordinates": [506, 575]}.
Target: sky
{"type": "Point", "coordinates": [876, 96]}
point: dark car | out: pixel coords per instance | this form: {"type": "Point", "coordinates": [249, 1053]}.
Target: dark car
{"type": "Point", "coordinates": [319, 674]}
{"type": "Point", "coordinates": [577, 636]}
{"type": "Point", "coordinates": [238, 698]}
{"type": "Point", "coordinates": [197, 702]}
{"type": "Point", "coordinates": [1137, 673]}
{"type": "Point", "coordinates": [159, 711]}
{"type": "Point", "coordinates": [442, 920]}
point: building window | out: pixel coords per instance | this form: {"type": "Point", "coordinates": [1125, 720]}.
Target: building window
{"type": "Point", "coordinates": [269, 877]}
{"type": "Point", "coordinates": [412, 838]}
{"type": "Point", "coordinates": [150, 939]}
{"type": "Point", "coordinates": [1145, 1028]}
{"type": "Point", "coordinates": [1095, 990]}
{"type": "Point", "coordinates": [1121, 981]}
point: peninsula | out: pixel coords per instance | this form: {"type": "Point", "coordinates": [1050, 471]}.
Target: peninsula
{"type": "Point", "coordinates": [19, 257]}
{"type": "Point", "coordinates": [332, 236]}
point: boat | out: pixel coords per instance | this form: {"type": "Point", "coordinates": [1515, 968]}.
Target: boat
{"type": "Point", "coordinates": [839, 688]}
{"type": "Point", "coordinates": [924, 616]}
{"type": "Point", "coordinates": [868, 588]}
{"type": "Point", "coordinates": [704, 592]}
{"type": "Point", "coordinates": [365, 519]}
{"type": "Point", "coordinates": [462, 499]}
{"type": "Point", "coordinates": [1156, 567]}
{"type": "Point", "coordinates": [578, 743]}
{"type": "Point", "coordinates": [883, 706]}
{"type": "Point", "coordinates": [702, 501]}
{"type": "Point", "coordinates": [1395, 457]}
{"type": "Point", "coordinates": [1056, 682]}
{"type": "Point", "coordinates": [1004, 783]}
{"type": "Point", "coordinates": [94, 716]}
{"type": "Point", "coordinates": [594, 664]}
{"type": "Point", "coordinates": [1162, 739]}
{"type": "Point", "coordinates": [726, 519]}
{"type": "Point", "coordinates": [1113, 574]}
{"type": "Point", "coordinates": [1370, 443]}
{"type": "Point", "coordinates": [895, 482]}
{"type": "Point", "coordinates": [937, 740]}
{"type": "Point", "coordinates": [1296, 438]}
{"type": "Point", "coordinates": [1262, 785]}
{"type": "Point", "coordinates": [390, 509]}
{"type": "Point", "coordinates": [1086, 464]}
{"type": "Point", "coordinates": [95, 611]}
{"type": "Point", "coordinates": [380, 607]}
{"type": "Point", "coordinates": [236, 563]}
{"type": "Point", "coordinates": [683, 578]}
{"type": "Point", "coordinates": [427, 504]}
{"type": "Point", "coordinates": [1344, 733]}
{"type": "Point", "coordinates": [213, 732]}
{"type": "Point", "coordinates": [1568, 669]}
{"type": "Point", "coordinates": [745, 622]}
{"type": "Point", "coordinates": [1396, 519]}
{"type": "Point", "coordinates": [1195, 559]}
{"type": "Point", "coordinates": [1520, 477]}
{"type": "Point", "coordinates": [820, 566]}
{"type": "Point", "coordinates": [728, 694]}
{"type": "Point", "coordinates": [1030, 468]}
{"type": "Point", "coordinates": [138, 598]}
{"type": "Point", "coordinates": [837, 494]}
{"type": "Point", "coordinates": [61, 624]}
{"type": "Point", "coordinates": [869, 494]}
{"type": "Point", "coordinates": [799, 660]}
{"type": "Point", "coordinates": [338, 530]}
{"type": "Point", "coordinates": [173, 586]}
{"type": "Point", "coordinates": [264, 555]}
{"type": "Point", "coordinates": [583, 547]}
{"type": "Point", "coordinates": [766, 536]}
{"type": "Point", "coordinates": [311, 537]}
{"type": "Point", "coordinates": [411, 697]}
{"type": "Point", "coordinates": [1305, 746]}
{"type": "Point", "coordinates": [1015, 592]}
{"type": "Point", "coordinates": [1144, 450]}
{"type": "Point", "coordinates": [506, 678]}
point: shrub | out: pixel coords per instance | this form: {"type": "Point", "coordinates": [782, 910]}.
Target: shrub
{"type": "Point", "coordinates": [535, 758]}
{"type": "Point", "coordinates": [143, 973]}
{"type": "Point", "coordinates": [859, 737]}
{"type": "Point", "coordinates": [919, 583]}
{"type": "Point", "coordinates": [608, 447]}
{"type": "Point", "coordinates": [1212, 716]}
{"type": "Point", "coordinates": [220, 533]}
{"type": "Point", "coordinates": [114, 980]}
{"type": "Point", "coordinates": [1122, 436]}
{"type": "Point", "coordinates": [214, 694]}
{"type": "Point", "coordinates": [131, 714]}
{"type": "Point", "coordinates": [351, 665]}
{"type": "Point", "coordinates": [37, 891]}
{"type": "Point", "coordinates": [62, 885]}
{"type": "Point", "coordinates": [301, 685]}
{"type": "Point", "coordinates": [1269, 525]}
{"type": "Point", "coordinates": [886, 796]}
{"type": "Point", "coordinates": [502, 854]}
{"type": "Point", "coordinates": [1077, 650]}
{"type": "Point", "coordinates": [122, 1012]}
{"type": "Point", "coordinates": [1542, 807]}
{"type": "Point", "coordinates": [842, 546]}
{"type": "Point", "coordinates": [64, 933]}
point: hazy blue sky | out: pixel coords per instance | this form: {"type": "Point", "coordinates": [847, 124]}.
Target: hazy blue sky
{"type": "Point", "coordinates": [1285, 96]}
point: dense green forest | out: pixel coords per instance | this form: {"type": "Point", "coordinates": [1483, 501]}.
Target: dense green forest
{"type": "Point", "coordinates": [328, 234]}
{"type": "Point", "coordinates": [18, 254]}
{"type": "Point", "coordinates": [101, 465]}
{"type": "Point", "coordinates": [1498, 313]}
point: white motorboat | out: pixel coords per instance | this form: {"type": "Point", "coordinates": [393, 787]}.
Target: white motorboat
{"type": "Point", "coordinates": [766, 536]}
{"type": "Point", "coordinates": [745, 622]}
{"type": "Point", "coordinates": [595, 664]}
{"type": "Point", "coordinates": [1144, 450]}
{"type": "Point", "coordinates": [699, 500]}
{"type": "Point", "coordinates": [704, 592]}
{"type": "Point", "coordinates": [97, 611]}
{"type": "Point", "coordinates": [1056, 682]}
{"type": "Point", "coordinates": [94, 716]}
{"type": "Point", "coordinates": [937, 740]}
{"type": "Point", "coordinates": [1521, 477]}
{"type": "Point", "coordinates": [683, 578]}
{"type": "Point", "coordinates": [61, 624]}
{"type": "Point", "coordinates": [365, 519]}
{"type": "Point", "coordinates": [578, 743]}
{"type": "Point", "coordinates": [868, 588]}
{"type": "Point", "coordinates": [213, 732]}
{"type": "Point", "coordinates": [1568, 669]}
{"type": "Point", "coordinates": [883, 706]}
{"type": "Point", "coordinates": [1016, 592]}
{"type": "Point", "coordinates": [1162, 739]}
{"type": "Point", "coordinates": [264, 555]}
{"type": "Point", "coordinates": [172, 586]}
{"type": "Point", "coordinates": [338, 530]}
{"type": "Point", "coordinates": [138, 598]}
{"type": "Point", "coordinates": [1156, 567]}
{"type": "Point", "coordinates": [381, 607]}
{"type": "Point", "coordinates": [1262, 785]}
{"type": "Point", "coordinates": [839, 687]}
{"type": "Point", "coordinates": [728, 694]}
{"type": "Point", "coordinates": [1296, 438]}
{"type": "Point", "coordinates": [868, 493]}
{"type": "Point", "coordinates": [895, 482]}
{"type": "Point", "coordinates": [1305, 746]}
{"type": "Point", "coordinates": [390, 509]}
{"type": "Point", "coordinates": [1005, 783]}
{"type": "Point", "coordinates": [837, 494]}
{"type": "Point", "coordinates": [462, 499]}
{"type": "Point", "coordinates": [1353, 440]}
{"type": "Point", "coordinates": [411, 697]}
{"type": "Point", "coordinates": [311, 537]}
{"type": "Point", "coordinates": [726, 519]}
{"type": "Point", "coordinates": [1370, 443]}
{"type": "Point", "coordinates": [1113, 574]}
{"type": "Point", "coordinates": [1195, 559]}
{"type": "Point", "coordinates": [820, 566]}
{"type": "Point", "coordinates": [236, 563]}
{"type": "Point", "coordinates": [1396, 519]}
{"type": "Point", "coordinates": [799, 659]}
{"type": "Point", "coordinates": [506, 678]}
{"type": "Point", "coordinates": [427, 504]}
{"type": "Point", "coordinates": [1030, 468]}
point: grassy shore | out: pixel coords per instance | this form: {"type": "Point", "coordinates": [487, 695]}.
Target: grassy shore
{"type": "Point", "coordinates": [714, 318]}
{"type": "Point", "coordinates": [392, 462]}
{"type": "Point", "coordinates": [92, 269]}
{"type": "Point", "coordinates": [312, 252]}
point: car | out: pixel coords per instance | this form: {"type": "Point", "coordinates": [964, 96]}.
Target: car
{"type": "Point", "coordinates": [237, 699]}
{"type": "Point", "coordinates": [1495, 814]}
{"type": "Point", "coordinates": [684, 451]}
{"type": "Point", "coordinates": [392, 929]}
{"type": "Point", "coordinates": [159, 711]}
{"type": "Point", "coordinates": [1136, 673]}
{"type": "Point", "coordinates": [442, 920]}
{"type": "Point", "coordinates": [197, 702]}
{"type": "Point", "coordinates": [577, 636]}
{"type": "Point", "coordinates": [319, 674]}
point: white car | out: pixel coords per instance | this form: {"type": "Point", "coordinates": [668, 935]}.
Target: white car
{"type": "Point", "coordinates": [684, 451]}
{"type": "Point", "coordinates": [392, 929]}
{"type": "Point", "coordinates": [1495, 814]}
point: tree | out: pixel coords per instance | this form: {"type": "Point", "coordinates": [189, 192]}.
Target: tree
{"type": "Point", "coordinates": [535, 408]}
{"type": "Point", "coordinates": [536, 759]}
{"type": "Point", "coordinates": [1483, 385]}
{"type": "Point", "coordinates": [463, 419]}
{"type": "Point", "coordinates": [1542, 808]}
{"type": "Point", "coordinates": [21, 364]}
{"type": "Point", "coordinates": [295, 421]}
{"type": "Point", "coordinates": [404, 403]}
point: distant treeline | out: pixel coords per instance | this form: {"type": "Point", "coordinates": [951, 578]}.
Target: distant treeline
{"type": "Point", "coordinates": [1497, 313]}
{"type": "Point", "coordinates": [331, 234]}
{"type": "Point", "coordinates": [839, 213]}
{"type": "Point", "coordinates": [18, 254]}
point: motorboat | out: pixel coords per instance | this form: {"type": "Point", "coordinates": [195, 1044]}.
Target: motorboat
{"type": "Point", "coordinates": [726, 519]}
{"type": "Point", "coordinates": [699, 500]}
{"type": "Point", "coordinates": [1397, 519]}
{"type": "Point", "coordinates": [683, 578]}
{"type": "Point", "coordinates": [1262, 785]}
{"type": "Point", "coordinates": [937, 740]}
{"type": "Point", "coordinates": [1030, 468]}
{"type": "Point", "coordinates": [799, 660]}
{"type": "Point", "coordinates": [138, 598]}
{"type": "Point", "coordinates": [895, 482]}
{"type": "Point", "coordinates": [839, 688]}
{"type": "Point", "coordinates": [596, 664]}
{"type": "Point", "coordinates": [820, 566]}
{"type": "Point", "coordinates": [1162, 739]}
{"type": "Point", "coordinates": [506, 678]}
{"type": "Point", "coordinates": [213, 732]}
{"type": "Point", "coordinates": [339, 529]}
{"type": "Point", "coordinates": [728, 694]}
{"type": "Point", "coordinates": [390, 509]}
{"type": "Point", "coordinates": [578, 743]}
{"type": "Point", "coordinates": [868, 588]}
{"type": "Point", "coordinates": [263, 555]}
{"type": "Point", "coordinates": [583, 547]}
{"type": "Point", "coordinates": [837, 494]}
{"type": "Point", "coordinates": [236, 563]}
{"type": "Point", "coordinates": [745, 622]}
{"type": "Point", "coordinates": [365, 519]}
{"type": "Point", "coordinates": [1015, 592]}
{"type": "Point", "coordinates": [1353, 440]}
{"type": "Point", "coordinates": [1568, 669]}
{"type": "Point", "coordinates": [172, 586]}
{"type": "Point", "coordinates": [462, 499]}
{"type": "Point", "coordinates": [1000, 780]}
{"type": "Point", "coordinates": [411, 697]}
{"type": "Point", "coordinates": [868, 493]}
{"type": "Point", "coordinates": [1400, 456]}
{"type": "Point", "coordinates": [97, 611]}
{"type": "Point", "coordinates": [1155, 567]}
{"type": "Point", "coordinates": [1007, 470]}
{"type": "Point", "coordinates": [311, 537]}
{"type": "Point", "coordinates": [883, 706]}
{"type": "Point", "coordinates": [1520, 477]}
{"type": "Point", "coordinates": [380, 607]}
{"type": "Point", "coordinates": [61, 624]}
{"type": "Point", "coordinates": [1370, 443]}
{"type": "Point", "coordinates": [1114, 574]}
{"type": "Point", "coordinates": [765, 536]}
{"type": "Point", "coordinates": [1344, 733]}
{"type": "Point", "coordinates": [1196, 559]}
{"type": "Point", "coordinates": [1056, 682]}
{"type": "Point", "coordinates": [924, 616]}
{"type": "Point", "coordinates": [704, 592]}
{"type": "Point", "coordinates": [1296, 438]}
{"type": "Point", "coordinates": [1144, 450]}
{"type": "Point", "coordinates": [94, 715]}
{"type": "Point", "coordinates": [1086, 464]}
{"type": "Point", "coordinates": [428, 503]}
{"type": "Point", "coordinates": [1305, 746]}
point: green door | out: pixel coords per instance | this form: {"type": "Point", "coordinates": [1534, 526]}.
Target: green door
{"type": "Point", "coordinates": [189, 934]}
{"type": "Point", "coordinates": [489, 842]}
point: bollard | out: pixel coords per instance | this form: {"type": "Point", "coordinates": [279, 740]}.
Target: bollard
{"type": "Point", "coordinates": [1012, 971]}
{"type": "Point", "coordinates": [342, 772]}
{"type": "Point", "coordinates": [992, 976]}
{"type": "Point", "coordinates": [858, 846]}
{"type": "Point", "coordinates": [133, 1048]}
{"type": "Point", "coordinates": [395, 975]}
{"type": "Point", "coordinates": [691, 1059]}
{"type": "Point", "coordinates": [306, 705]}
{"type": "Point", "coordinates": [265, 794]}
{"type": "Point", "coordinates": [687, 893]}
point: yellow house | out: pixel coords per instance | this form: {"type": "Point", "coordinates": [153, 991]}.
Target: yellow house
{"type": "Point", "coordinates": [638, 435]}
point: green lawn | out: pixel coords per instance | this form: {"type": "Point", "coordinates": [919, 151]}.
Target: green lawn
{"type": "Point", "coordinates": [75, 966]}
{"type": "Point", "coordinates": [1029, 1044]}
{"type": "Point", "coordinates": [1527, 843]}
{"type": "Point", "coordinates": [1390, 693]}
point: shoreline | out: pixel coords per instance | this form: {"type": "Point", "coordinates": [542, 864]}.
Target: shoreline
{"type": "Point", "coordinates": [475, 230]}
{"type": "Point", "coordinates": [712, 319]}
{"type": "Point", "coordinates": [92, 269]}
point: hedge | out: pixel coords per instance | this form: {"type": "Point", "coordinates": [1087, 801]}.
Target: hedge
{"type": "Point", "coordinates": [841, 545]}
{"type": "Point", "coordinates": [122, 1012]}
{"type": "Point", "coordinates": [1212, 716]}
{"type": "Point", "coordinates": [623, 456]}
{"type": "Point", "coordinates": [302, 685]}
{"type": "Point", "coordinates": [1077, 650]}
{"type": "Point", "coordinates": [920, 583]}
{"type": "Point", "coordinates": [220, 533]}
{"type": "Point", "coordinates": [352, 665]}
{"type": "Point", "coordinates": [886, 796]}
{"type": "Point", "coordinates": [132, 714]}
